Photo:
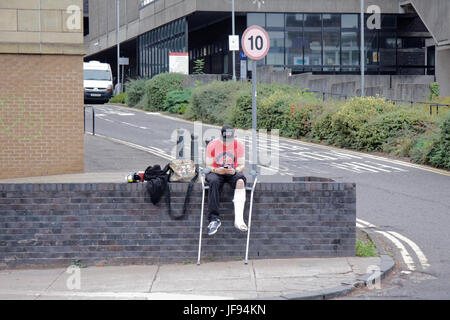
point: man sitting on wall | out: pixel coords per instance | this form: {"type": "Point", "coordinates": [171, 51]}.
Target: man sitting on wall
{"type": "Point", "coordinates": [225, 156]}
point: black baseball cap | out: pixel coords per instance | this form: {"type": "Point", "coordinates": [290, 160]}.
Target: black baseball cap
{"type": "Point", "coordinates": [227, 132]}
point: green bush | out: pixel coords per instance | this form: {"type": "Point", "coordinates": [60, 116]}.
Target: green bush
{"type": "Point", "coordinates": [158, 87]}
{"type": "Point", "coordinates": [356, 112]}
{"type": "Point", "coordinates": [213, 102]}
{"type": "Point", "coordinates": [440, 154]}
{"type": "Point", "coordinates": [177, 101]}
{"type": "Point", "coordinates": [135, 91]}
{"type": "Point", "coordinates": [119, 98]}
{"type": "Point", "coordinates": [390, 126]}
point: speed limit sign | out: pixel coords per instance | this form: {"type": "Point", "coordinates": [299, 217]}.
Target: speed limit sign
{"type": "Point", "coordinates": [255, 42]}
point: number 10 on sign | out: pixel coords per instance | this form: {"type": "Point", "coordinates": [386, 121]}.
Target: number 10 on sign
{"type": "Point", "coordinates": [256, 44]}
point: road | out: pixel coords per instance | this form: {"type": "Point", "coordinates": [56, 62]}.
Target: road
{"type": "Point", "coordinates": [406, 205]}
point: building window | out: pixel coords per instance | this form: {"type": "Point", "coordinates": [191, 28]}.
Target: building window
{"type": "Point", "coordinates": [275, 20]}
{"type": "Point", "coordinates": [350, 49]}
{"type": "Point", "coordinates": [349, 21]}
{"type": "Point", "coordinates": [313, 48]}
{"type": "Point", "coordinates": [275, 55]}
{"type": "Point", "coordinates": [155, 45]}
{"type": "Point", "coordinates": [256, 19]}
{"type": "Point", "coordinates": [331, 48]}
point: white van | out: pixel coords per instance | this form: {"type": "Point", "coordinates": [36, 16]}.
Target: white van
{"type": "Point", "coordinates": [98, 81]}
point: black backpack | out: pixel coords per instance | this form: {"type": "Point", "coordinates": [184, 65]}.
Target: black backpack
{"type": "Point", "coordinates": [158, 183]}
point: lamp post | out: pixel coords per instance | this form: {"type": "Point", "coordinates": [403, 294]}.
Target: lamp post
{"type": "Point", "coordinates": [233, 32]}
{"type": "Point", "coordinates": [119, 88]}
{"type": "Point", "coordinates": [363, 25]}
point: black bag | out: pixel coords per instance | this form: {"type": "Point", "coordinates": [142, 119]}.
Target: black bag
{"type": "Point", "coordinates": [158, 184]}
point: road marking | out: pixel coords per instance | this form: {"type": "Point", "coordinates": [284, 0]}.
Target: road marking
{"type": "Point", "coordinates": [422, 258]}
{"type": "Point", "coordinates": [403, 252]}
{"type": "Point", "coordinates": [367, 224]}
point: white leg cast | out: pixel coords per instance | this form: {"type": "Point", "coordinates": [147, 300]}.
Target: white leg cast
{"type": "Point", "coordinates": [239, 205]}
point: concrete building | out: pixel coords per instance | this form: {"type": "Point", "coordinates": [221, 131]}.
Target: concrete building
{"type": "Point", "coordinates": [435, 14]}
{"type": "Point", "coordinates": [41, 80]}
{"type": "Point", "coordinates": [319, 37]}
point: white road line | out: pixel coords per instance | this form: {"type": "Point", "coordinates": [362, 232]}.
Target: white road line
{"type": "Point", "coordinates": [370, 167]}
{"type": "Point", "coordinates": [367, 224]}
{"type": "Point", "coordinates": [422, 258]}
{"type": "Point", "coordinates": [404, 253]}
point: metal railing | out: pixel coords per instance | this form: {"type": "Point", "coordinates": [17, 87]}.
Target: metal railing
{"type": "Point", "coordinates": [325, 95]}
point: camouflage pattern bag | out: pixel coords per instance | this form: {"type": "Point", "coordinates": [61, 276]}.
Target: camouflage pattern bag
{"type": "Point", "coordinates": [182, 170]}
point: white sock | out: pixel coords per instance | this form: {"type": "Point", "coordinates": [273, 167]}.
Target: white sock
{"type": "Point", "coordinates": [239, 204]}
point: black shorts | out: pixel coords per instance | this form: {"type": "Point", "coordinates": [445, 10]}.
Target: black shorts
{"type": "Point", "coordinates": [212, 178]}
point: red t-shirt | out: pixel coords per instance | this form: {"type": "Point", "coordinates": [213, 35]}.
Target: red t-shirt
{"type": "Point", "coordinates": [225, 155]}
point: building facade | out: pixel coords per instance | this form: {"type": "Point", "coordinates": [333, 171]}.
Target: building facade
{"type": "Point", "coordinates": [307, 36]}
{"type": "Point", "coordinates": [41, 77]}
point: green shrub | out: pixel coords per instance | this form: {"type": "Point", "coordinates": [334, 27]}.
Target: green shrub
{"type": "Point", "coordinates": [212, 103]}
{"type": "Point", "coordinates": [423, 148]}
{"type": "Point", "coordinates": [177, 101]}
{"type": "Point", "coordinates": [119, 98]}
{"type": "Point", "coordinates": [390, 126]}
{"type": "Point", "coordinates": [356, 112]}
{"type": "Point", "coordinates": [440, 154]}
{"type": "Point", "coordinates": [135, 91]}
{"type": "Point", "coordinates": [434, 88]}
{"type": "Point", "coordinates": [158, 87]}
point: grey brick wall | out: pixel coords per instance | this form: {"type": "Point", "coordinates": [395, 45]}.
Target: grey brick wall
{"type": "Point", "coordinates": [55, 224]}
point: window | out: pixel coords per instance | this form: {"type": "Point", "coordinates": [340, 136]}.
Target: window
{"type": "Point", "coordinates": [331, 20]}
{"type": "Point", "coordinates": [313, 20]}
{"type": "Point", "coordinates": [350, 48]}
{"type": "Point", "coordinates": [331, 48]}
{"type": "Point", "coordinates": [275, 20]}
{"type": "Point", "coordinates": [294, 48]}
{"type": "Point", "coordinates": [276, 51]}
{"type": "Point", "coordinates": [349, 21]}
{"type": "Point", "coordinates": [313, 48]}
{"type": "Point", "coordinates": [294, 20]}
{"type": "Point", "coordinates": [256, 19]}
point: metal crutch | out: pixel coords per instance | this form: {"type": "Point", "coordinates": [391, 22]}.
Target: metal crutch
{"type": "Point", "coordinates": [250, 219]}
{"type": "Point", "coordinates": [201, 217]}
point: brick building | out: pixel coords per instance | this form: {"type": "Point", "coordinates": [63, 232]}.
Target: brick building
{"type": "Point", "coordinates": [41, 81]}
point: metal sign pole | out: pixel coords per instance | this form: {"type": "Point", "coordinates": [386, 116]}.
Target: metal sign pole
{"type": "Point", "coordinates": [254, 121]}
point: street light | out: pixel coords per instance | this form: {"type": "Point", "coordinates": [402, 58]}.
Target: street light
{"type": "Point", "coordinates": [362, 50]}
{"type": "Point", "coordinates": [119, 89]}
{"type": "Point", "coordinates": [233, 31]}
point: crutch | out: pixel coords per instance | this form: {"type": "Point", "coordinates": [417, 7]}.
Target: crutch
{"type": "Point", "coordinates": [252, 189]}
{"type": "Point", "coordinates": [204, 187]}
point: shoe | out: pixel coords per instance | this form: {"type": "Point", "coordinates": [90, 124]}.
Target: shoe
{"type": "Point", "coordinates": [214, 226]}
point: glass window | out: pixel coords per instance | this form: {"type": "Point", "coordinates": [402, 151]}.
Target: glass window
{"type": "Point", "coordinates": [276, 51]}
{"type": "Point", "coordinates": [371, 44]}
{"type": "Point", "coordinates": [294, 20]}
{"type": "Point", "coordinates": [388, 21]}
{"type": "Point", "coordinates": [313, 20]}
{"type": "Point", "coordinates": [350, 48]}
{"type": "Point", "coordinates": [275, 20]}
{"type": "Point", "coordinates": [294, 48]}
{"type": "Point", "coordinates": [388, 45]}
{"type": "Point", "coordinates": [331, 20]}
{"type": "Point", "coordinates": [313, 48]}
{"type": "Point", "coordinates": [331, 48]}
{"type": "Point", "coordinates": [350, 21]}
{"type": "Point", "coordinates": [256, 19]}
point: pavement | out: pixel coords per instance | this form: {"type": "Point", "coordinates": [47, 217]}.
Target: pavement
{"type": "Point", "coordinates": [284, 279]}
{"type": "Point", "coordinates": [303, 278]}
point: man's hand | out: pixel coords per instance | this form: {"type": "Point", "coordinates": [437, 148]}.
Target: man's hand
{"type": "Point", "coordinates": [222, 171]}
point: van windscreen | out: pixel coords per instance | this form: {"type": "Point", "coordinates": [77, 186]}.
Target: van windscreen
{"type": "Point", "coordinates": [102, 75]}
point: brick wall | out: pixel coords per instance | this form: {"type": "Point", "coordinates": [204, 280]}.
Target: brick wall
{"type": "Point", "coordinates": [41, 115]}
{"type": "Point", "coordinates": [55, 224]}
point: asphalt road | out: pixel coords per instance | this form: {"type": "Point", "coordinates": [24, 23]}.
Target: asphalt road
{"type": "Point", "coordinates": [405, 205]}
